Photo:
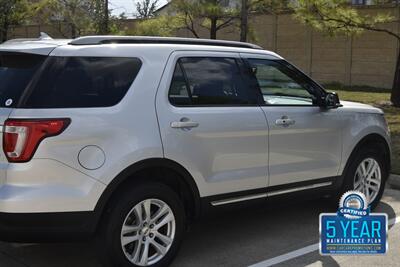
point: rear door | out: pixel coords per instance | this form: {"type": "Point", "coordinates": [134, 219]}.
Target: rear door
{"type": "Point", "coordinates": [16, 71]}
{"type": "Point", "coordinates": [210, 122]}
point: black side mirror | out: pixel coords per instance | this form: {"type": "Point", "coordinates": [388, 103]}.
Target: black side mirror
{"type": "Point", "coordinates": [331, 100]}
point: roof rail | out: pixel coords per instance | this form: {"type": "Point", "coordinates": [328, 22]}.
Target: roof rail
{"type": "Point", "coordinates": [97, 40]}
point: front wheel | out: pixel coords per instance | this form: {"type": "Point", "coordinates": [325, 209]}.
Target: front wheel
{"type": "Point", "coordinates": [145, 227]}
{"type": "Point", "coordinates": [367, 173]}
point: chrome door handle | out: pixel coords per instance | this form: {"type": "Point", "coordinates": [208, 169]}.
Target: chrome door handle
{"type": "Point", "coordinates": [184, 124]}
{"type": "Point", "coordinates": [285, 121]}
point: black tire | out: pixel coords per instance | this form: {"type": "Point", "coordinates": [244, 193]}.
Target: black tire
{"type": "Point", "coordinates": [374, 151]}
{"type": "Point", "coordinates": [109, 238]}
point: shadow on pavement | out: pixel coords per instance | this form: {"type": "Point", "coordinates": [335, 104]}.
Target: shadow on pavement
{"type": "Point", "coordinates": [236, 237]}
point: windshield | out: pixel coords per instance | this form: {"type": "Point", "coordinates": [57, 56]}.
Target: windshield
{"type": "Point", "coordinates": [16, 71]}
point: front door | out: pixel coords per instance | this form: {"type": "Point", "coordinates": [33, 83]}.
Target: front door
{"type": "Point", "coordinates": [211, 124]}
{"type": "Point", "coordinates": [304, 140]}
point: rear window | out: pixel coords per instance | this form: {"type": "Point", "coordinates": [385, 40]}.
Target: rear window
{"type": "Point", "coordinates": [16, 71]}
{"type": "Point", "coordinates": [75, 82]}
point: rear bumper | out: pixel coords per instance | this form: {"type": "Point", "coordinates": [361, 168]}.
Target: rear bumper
{"type": "Point", "coordinates": [44, 200]}
{"type": "Point", "coordinates": [47, 186]}
{"type": "Point", "coordinates": [47, 227]}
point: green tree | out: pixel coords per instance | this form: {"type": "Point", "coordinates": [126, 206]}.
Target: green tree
{"type": "Point", "coordinates": [12, 12]}
{"type": "Point", "coordinates": [146, 8]}
{"type": "Point", "coordinates": [338, 17]}
{"type": "Point", "coordinates": [100, 14]}
{"type": "Point", "coordinates": [209, 14]}
{"type": "Point", "coordinates": [71, 18]}
{"type": "Point", "coordinates": [159, 26]}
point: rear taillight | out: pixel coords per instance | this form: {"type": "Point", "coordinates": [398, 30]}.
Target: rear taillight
{"type": "Point", "coordinates": [21, 137]}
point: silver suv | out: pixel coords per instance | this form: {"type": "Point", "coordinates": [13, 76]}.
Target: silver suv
{"type": "Point", "coordinates": [131, 138]}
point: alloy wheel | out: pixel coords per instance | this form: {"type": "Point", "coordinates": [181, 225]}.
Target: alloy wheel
{"type": "Point", "coordinates": [368, 178]}
{"type": "Point", "coordinates": [148, 232]}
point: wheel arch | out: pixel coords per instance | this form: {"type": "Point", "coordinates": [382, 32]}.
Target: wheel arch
{"type": "Point", "coordinates": [154, 170]}
{"type": "Point", "coordinates": [373, 138]}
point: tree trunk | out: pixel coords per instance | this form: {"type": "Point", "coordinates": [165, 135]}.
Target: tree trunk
{"type": "Point", "coordinates": [395, 97]}
{"type": "Point", "coordinates": [4, 32]}
{"type": "Point", "coordinates": [213, 29]}
{"type": "Point", "coordinates": [73, 31]}
{"type": "Point", "coordinates": [244, 17]}
{"type": "Point", "coordinates": [3, 36]}
{"type": "Point", "coordinates": [106, 16]}
{"type": "Point", "coordinates": [103, 16]}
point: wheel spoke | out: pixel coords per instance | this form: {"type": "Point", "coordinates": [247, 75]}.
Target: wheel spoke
{"type": "Point", "coordinates": [367, 194]}
{"type": "Point", "coordinates": [126, 229]}
{"type": "Point", "coordinates": [137, 250]}
{"type": "Point", "coordinates": [374, 188]}
{"type": "Point", "coordinates": [161, 211]}
{"type": "Point", "coordinates": [165, 239]}
{"type": "Point", "coordinates": [129, 239]}
{"type": "Point", "coordinates": [168, 218]}
{"type": "Point", "coordinates": [372, 170]}
{"type": "Point", "coordinates": [376, 181]}
{"type": "Point", "coordinates": [146, 206]}
{"type": "Point", "coordinates": [363, 169]}
{"type": "Point", "coordinates": [358, 185]}
{"type": "Point", "coordinates": [139, 213]}
{"type": "Point", "coordinates": [160, 248]}
{"type": "Point", "coordinates": [359, 173]}
{"type": "Point", "coordinates": [145, 255]}
{"type": "Point", "coordinates": [370, 164]}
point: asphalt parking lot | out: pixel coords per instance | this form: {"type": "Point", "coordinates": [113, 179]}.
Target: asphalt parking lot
{"type": "Point", "coordinates": [263, 235]}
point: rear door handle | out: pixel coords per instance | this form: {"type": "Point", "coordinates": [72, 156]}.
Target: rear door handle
{"type": "Point", "coordinates": [285, 121]}
{"type": "Point", "coordinates": [184, 124]}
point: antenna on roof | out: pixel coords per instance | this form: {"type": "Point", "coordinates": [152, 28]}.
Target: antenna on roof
{"type": "Point", "coordinates": [44, 36]}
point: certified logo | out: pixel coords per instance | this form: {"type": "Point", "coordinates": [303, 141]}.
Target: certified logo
{"type": "Point", "coordinates": [353, 229]}
{"type": "Point", "coordinates": [353, 205]}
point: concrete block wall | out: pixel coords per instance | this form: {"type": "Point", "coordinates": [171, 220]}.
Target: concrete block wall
{"type": "Point", "coordinates": [366, 59]}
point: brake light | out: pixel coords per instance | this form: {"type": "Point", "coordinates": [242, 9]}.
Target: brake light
{"type": "Point", "coordinates": [21, 138]}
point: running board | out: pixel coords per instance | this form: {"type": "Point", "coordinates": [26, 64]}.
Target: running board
{"type": "Point", "coordinates": [269, 194]}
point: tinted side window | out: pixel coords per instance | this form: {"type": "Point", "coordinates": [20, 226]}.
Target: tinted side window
{"type": "Point", "coordinates": [281, 84]}
{"type": "Point", "coordinates": [16, 71]}
{"type": "Point", "coordinates": [178, 92]}
{"type": "Point", "coordinates": [209, 81]}
{"type": "Point", "coordinates": [72, 82]}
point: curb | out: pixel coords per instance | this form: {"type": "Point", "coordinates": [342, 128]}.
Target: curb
{"type": "Point", "coordinates": [394, 181]}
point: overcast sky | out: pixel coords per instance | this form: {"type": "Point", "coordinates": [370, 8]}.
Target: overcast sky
{"type": "Point", "coordinates": [127, 6]}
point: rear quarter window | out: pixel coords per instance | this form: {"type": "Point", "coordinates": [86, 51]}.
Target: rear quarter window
{"type": "Point", "coordinates": [16, 72]}
{"type": "Point", "coordinates": [79, 82]}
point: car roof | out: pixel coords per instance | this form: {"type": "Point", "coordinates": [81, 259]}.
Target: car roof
{"type": "Point", "coordinates": [44, 45]}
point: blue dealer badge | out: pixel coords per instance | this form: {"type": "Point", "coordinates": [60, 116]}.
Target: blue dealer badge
{"type": "Point", "coordinates": [353, 229]}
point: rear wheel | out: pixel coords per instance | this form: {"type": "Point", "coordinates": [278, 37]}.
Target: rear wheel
{"type": "Point", "coordinates": [145, 227]}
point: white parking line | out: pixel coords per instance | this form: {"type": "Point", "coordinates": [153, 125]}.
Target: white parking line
{"type": "Point", "coordinates": [301, 252]}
